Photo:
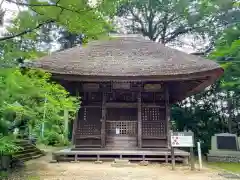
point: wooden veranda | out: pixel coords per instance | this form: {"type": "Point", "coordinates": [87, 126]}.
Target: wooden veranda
{"type": "Point", "coordinates": [100, 154]}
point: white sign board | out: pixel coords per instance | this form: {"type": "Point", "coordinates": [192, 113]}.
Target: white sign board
{"type": "Point", "coordinates": [182, 141]}
{"type": "Point", "coordinates": [117, 131]}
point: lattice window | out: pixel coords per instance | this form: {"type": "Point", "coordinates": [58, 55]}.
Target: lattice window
{"type": "Point", "coordinates": [153, 114]}
{"type": "Point", "coordinates": [154, 129]}
{"type": "Point", "coordinates": [89, 123]}
{"type": "Point", "coordinates": [122, 127]}
{"type": "Point", "coordinates": [153, 122]}
{"type": "Point", "coordinates": [89, 129]}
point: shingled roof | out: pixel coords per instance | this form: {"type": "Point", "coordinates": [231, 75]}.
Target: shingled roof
{"type": "Point", "coordinates": [124, 56]}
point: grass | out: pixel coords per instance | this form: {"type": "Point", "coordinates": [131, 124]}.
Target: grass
{"type": "Point", "coordinates": [233, 167]}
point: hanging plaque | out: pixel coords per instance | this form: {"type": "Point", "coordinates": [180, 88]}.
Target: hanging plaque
{"type": "Point", "coordinates": [152, 87]}
{"type": "Point", "coordinates": [91, 86]}
{"type": "Point", "coordinates": [121, 85]}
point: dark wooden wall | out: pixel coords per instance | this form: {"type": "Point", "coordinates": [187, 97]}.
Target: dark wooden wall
{"type": "Point", "coordinates": [139, 110]}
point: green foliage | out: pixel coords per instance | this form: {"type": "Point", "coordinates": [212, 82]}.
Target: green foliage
{"type": "Point", "coordinates": [201, 114]}
{"type": "Point", "coordinates": [166, 21]}
{"type": "Point", "coordinates": [77, 16]}
{"type": "Point", "coordinates": [26, 95]}
{"type": "Point", "coordinates": [217, 109]}
{"type": "Point", "coordinates": [227, 53]}
{"type": "Point", "coordinates": [22, 99]}
{"type": "Point", "coordinates": [53, 138]}
{"type": "Point", "coordinates": [7, 145]}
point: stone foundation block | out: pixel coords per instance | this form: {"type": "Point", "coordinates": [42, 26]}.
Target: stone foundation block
{"type": "Point", "coordinates": [98, 162]}
{"type": "Point", "coordinates": [143, 163]}
{"type": "Point", "coordinates": [121, 161]}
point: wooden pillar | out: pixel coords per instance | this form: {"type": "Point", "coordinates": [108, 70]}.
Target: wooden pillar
{"type": "Point", "coordinates": [103, 120]}
{"type": "Point", "coordinates": [139, 119]}
{"type": "Point", "coordinates": [167, 117]}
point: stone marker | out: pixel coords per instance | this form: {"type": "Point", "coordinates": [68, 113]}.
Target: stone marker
{"type": "Point", "coordinates": [225, 148]}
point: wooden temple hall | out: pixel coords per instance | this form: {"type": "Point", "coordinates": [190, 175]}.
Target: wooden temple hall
{"type": "Point", "coordinates": [127, 85]}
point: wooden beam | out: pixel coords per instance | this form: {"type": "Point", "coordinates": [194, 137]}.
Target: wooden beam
{"type": "Point", "coordinates": [151, 105]}
{"type": "Point", "coordinates": [167, 114]}
{"type": "Point", "coordinates": [95, 78]}
{"type": "Point", "coordinates": [103, 120]}
{"type": "Point", "coordinates": [121, 105]}
{"type": "Point", "coordinates": [139, 120]}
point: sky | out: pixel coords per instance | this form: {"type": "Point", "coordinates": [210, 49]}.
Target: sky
{"type": "Point", "coordinates": [13, 9]}
{"type": "Point", "coordinates": [11, 12]}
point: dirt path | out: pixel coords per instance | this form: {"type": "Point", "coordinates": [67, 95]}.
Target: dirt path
{"type": "Point", "coordinates": [41, 169]}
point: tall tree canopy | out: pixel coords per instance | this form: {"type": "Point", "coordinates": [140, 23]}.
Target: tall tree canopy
{"type": "Point", "coordinates": [167, 20]}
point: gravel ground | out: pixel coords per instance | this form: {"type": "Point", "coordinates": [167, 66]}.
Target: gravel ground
{"type": "Point", "coordinates": [41, 169]}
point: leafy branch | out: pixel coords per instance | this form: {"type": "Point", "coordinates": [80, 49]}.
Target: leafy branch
{"type": "Point", "coordinates": [49, 5]}
{"type": "Point", "coordinates": [31, 6]}
{"type": "Point", "coordinates": [26, 31]}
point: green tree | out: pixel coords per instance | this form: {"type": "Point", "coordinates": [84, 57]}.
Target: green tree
{"type": "Point", "coordinates": [23, 100]}
{"type": "Point", "coordinates": [166, 21]}
{"type": "Point", "coordinates": [227, 53]}
{"type": "Point", "coordinates": [40, 25]}
{"type": "Point", "coordinates": [78, 16]}
{"type": "Point", "coordinates": [216, 109]}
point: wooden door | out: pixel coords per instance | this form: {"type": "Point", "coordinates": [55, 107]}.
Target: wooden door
{"type": "Point", "coordinates": [121, 132]}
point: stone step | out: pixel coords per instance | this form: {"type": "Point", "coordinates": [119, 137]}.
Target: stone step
{"type": "Point", "coordinates": [124, 165]}
{"type": "Point", "coordinates": [28, 154]}
{"type": "Point", "coordinates": [31, 157]}
{"type": "Point", "coordinates": [121, 161]}
{"type": "Point", "coordinates": [28, 151]}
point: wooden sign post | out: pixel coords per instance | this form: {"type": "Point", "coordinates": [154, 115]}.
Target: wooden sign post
{"type": "Point", "coordinates": [182, 139]}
